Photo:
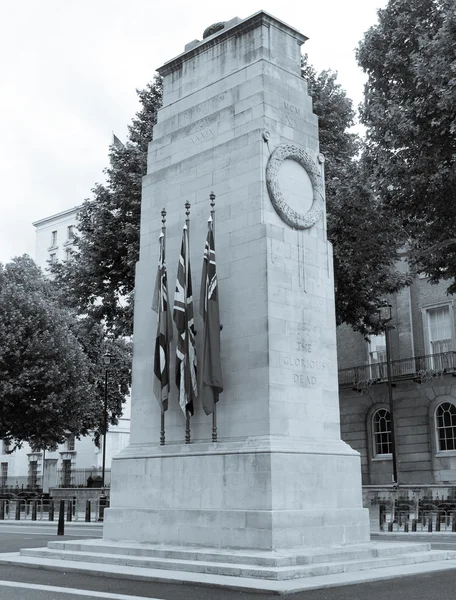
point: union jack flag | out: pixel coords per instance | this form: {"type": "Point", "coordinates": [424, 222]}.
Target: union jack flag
{"type": "Point", "coordinates": [186, 372]}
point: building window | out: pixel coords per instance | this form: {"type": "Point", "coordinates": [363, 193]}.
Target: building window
{"type": "Point", "coordinates": [438, 329]}
{"type": "Point", "coordinates": [54, 238]}
{"type": "Point", "coordinates": [68, 254]}
{"type": "Point", "coordinates": [381, 429]}
{"type": "Point", "coordinates": [70, 232]}
{"type": "Point", "coordinates": [445, 419]}
{"type": "Point", "coordinates": [66, 473]}
{"type": "Point", "coordinates": [377, 356]}
{"type": "Point", "coordinates": [6, 447]}
{"type": "Point", "coordinates": [70, 443]}
{"type": "Point", "coordinates": [53, 258]}
{"type": "Point", "coordinates": [33, 474]}
{"type": "Point", "coordinates": [4, 474]}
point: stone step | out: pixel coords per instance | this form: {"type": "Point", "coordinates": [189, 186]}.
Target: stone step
{"type": "Point", "coordinates": [238, 584]}
{"type": "Point", "coordinates": [239, 569]}
{"type": "Point", "coordinates": [281, 558]}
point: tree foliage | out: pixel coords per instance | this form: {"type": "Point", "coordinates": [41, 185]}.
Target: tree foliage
{"type": "Point", "coordinates": [51, 378]}
{"type": "Point", "coordinates": [365, 237]}
{"type": "Point", "coordinates": [409, 111]}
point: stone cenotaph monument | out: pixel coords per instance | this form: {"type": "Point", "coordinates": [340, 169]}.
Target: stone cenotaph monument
{"type": "Point", "coordinates": [237, 120]}
{"type": "Point", "coordinates": [274, 504]}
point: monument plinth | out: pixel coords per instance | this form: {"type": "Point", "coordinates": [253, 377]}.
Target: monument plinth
{"type": "Point", "coordinates": [237, 120]}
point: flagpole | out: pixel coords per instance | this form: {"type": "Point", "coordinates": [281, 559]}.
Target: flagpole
{"type": "Point", "coordinates": [187, 353]}
{"type": "Point", "coordinates": [162, 419]}
{"type": "Point", "coordinates": [214, 412]}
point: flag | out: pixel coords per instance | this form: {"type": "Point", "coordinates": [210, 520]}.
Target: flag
{"type": "Point", "coordinates": [211, 383]}
{"type": "Point", "coordinates": [183, 317]}
{"type": "Point", "coordinates": [116, 142]}
{"type": "Point", "coordinates": [160, 305]}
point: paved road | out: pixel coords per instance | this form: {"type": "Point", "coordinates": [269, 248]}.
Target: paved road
{"type": "Point", "coordinates": [17, 583]}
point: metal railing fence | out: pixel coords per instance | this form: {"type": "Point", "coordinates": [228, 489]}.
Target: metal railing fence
{"type": "Point", "coordinates": [81, 478]}
{"type": "Point", "coordinates": [426, 521]}
{"type": "Point", "coordinates": [418, 368]}
{"type": "Point", "coordinates": [47, 509]}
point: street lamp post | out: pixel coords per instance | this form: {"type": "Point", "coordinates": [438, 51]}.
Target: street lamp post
{"type": "Point", "coordinates": [106, 361]}
{"type": "Point", "coordinates": [385, 317]}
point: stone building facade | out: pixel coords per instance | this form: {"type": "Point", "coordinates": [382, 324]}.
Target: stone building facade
{"type": "Point", "coordinates": [423, 367]}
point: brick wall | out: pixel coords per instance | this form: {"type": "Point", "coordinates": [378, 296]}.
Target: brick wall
{"type": "Point", "coordinates": [351, 347]}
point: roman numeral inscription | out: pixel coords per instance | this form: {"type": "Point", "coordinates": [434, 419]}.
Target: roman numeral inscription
{"type": "Point", "coordinates": [292, 109]}
{"type": "Point", "coordinates": [202, 135]}
{"type": "Point", "coordinates": [292, 112]}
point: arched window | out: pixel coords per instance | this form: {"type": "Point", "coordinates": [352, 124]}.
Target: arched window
{"type": "Point", "coordinates": [445, 421]}
{"type": "Point", "coordinates": [381, 429]}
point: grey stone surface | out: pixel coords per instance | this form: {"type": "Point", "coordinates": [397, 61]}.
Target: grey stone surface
{"type": "Point", "coordinates": [280, 476]}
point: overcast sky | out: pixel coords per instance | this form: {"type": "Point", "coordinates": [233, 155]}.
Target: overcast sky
{"type": "Point", "coordinates": [68, 74]}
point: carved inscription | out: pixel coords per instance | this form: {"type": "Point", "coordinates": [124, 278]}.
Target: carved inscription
{"type": "Point", "coordinates": [291, 108]}
{"type": "Point", "coordinates": [304, 363]}
{"type": "Point", "coordinates": [291, 121]}
{"type": "Point", "coordinates": [201, 124]}
{"type": "Point", "coordinates": [203, 129]}
{"type": "Point", "coordinates": [292, 111]}
{"type": "Point", "coordinates": [304, 379]}
{"type": "Point", "coordinates": [303, 346]}
{"type": "Point", "coordinates": [202, 135]}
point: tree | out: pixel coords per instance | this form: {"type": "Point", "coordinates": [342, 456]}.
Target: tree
{"type": "Point", "coordinates": [100, 279]}
{"type": "Point", "coordinates": [409, 113]}
{"type": "Point", "coordinates": [365, 237]}
{"type": "Point", "coordinates": [95, 344]}
{"type": "Point", "coordinates": [50, 371]}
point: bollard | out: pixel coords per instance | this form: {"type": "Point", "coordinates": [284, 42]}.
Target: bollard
{"type": "Point", "coordinates": [61, 523]}
{"type": "Point", "coordinates": [414, 525]}
{"type": "Point", "coordinates": [437, 523]}
{"type": "Point", "coordinates": [390, 526]}
{"type": "Point", "coordinates": [18, 510]}
{"type": "Point", "coordinates": [430, 524]}
{"type": "Point", "coordinates": [101, 507]}
{"type": "Point", "coordinates": [87, 515]}
{"type": "Point", "coordinates": [406, 526]}
{"type": "Point", "coordinates": [2, 510]}
{"type": "Point", "coordinates": [33, 510]}
{"type": "Point", "coordinates": [51, 509]}
{"type": "Point", "coordinates": [74, 506]}
{"type": "Point", "coordinates": [453, 526]}
{"type": "Point", "coordinates": [69, 510]}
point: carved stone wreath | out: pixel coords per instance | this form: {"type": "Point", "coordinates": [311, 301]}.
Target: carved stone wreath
{"type": "Point", "coordinates": [293, 218]}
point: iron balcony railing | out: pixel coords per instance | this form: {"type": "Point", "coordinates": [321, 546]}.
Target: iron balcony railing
{"type": "Point", "coordinates": [417, 368]}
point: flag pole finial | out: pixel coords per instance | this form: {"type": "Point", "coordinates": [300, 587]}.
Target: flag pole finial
{"type": "Point", "coordinates": [212, 199]}
{"type": "Point", "coordinates": [163, 214]}
{"type": "Point", "coordinates": [187, 209]}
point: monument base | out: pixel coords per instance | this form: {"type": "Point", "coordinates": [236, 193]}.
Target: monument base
{"type": "Point", "coordinates": [264, 494]}
{"type": "Point", "coordinates": [282, 571]}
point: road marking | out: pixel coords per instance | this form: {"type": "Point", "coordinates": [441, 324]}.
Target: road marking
{"type": "Point", "coordinates": [74, 591]}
